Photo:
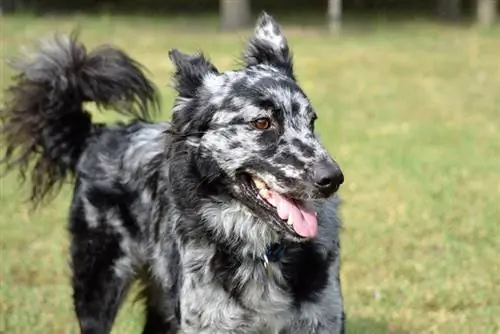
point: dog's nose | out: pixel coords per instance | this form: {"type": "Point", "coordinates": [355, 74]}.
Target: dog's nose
{"type": "Point", "coordinates": [328, 177]}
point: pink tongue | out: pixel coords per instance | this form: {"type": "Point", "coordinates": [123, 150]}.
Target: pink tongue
{"type": "Point", "coordinates": [303, 218]}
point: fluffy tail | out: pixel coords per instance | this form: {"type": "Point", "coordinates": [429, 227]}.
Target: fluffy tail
{"type": "Point", "coordinates": [44, 127]}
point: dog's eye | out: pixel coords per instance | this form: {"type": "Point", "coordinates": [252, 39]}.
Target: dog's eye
{"type": "Point", "coordinates": [261, 123]}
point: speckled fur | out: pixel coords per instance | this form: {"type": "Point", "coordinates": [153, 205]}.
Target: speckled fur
{"type": "Point", "coordinates": [163, 203]}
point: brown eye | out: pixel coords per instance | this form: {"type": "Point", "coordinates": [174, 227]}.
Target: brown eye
{"type": "Point", "coordinates": [262, 123]}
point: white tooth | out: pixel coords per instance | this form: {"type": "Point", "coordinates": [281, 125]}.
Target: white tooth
{"type": "Point", "coordinates": [259, 184]}
{"type": "Point", "coordinates": [264, 193]}
{"type": "Point", "coordinates": [290, 221]}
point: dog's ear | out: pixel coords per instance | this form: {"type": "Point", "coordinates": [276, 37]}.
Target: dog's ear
{"type": "Point", "coordinates": [269, 46]}
{"type": "Point", "coordinates": [190, 70]}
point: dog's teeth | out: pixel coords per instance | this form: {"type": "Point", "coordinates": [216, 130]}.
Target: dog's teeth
{"type": "Point", "coordinates": [264, 193]}
{"type": "Point", "coordinates": [259, 184]}
{"type": "Point", "coordinates": [290, 221]}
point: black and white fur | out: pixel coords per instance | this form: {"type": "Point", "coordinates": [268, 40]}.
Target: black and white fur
{"type": "Point", "coordinates": [169, 203]}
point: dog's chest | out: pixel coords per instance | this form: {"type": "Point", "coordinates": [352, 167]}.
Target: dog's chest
{"type": "Point", "coordinates": [266, 288]}
{"type": "Point", "coordinates": [226, 293]}
{"type": "Point", "coordinates": [245, 298]}
{"type": "Point", "coordinates": [267, 296]}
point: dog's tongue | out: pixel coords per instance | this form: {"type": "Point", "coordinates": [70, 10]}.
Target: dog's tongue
{"type": "Point", "coordinates": [303, 218]}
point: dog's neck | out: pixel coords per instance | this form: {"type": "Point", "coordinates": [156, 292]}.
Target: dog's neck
{"type": "Point", "coordinates": [237, 227]}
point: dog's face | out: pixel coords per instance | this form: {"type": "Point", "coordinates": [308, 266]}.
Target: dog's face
{"type": "Point", "coordinates": [257, 125]}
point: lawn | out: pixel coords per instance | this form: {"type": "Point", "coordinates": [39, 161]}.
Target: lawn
{"type": "Point", "coordinates": [412, 113]}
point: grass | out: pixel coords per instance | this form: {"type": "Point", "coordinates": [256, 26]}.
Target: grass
{"type": "Point", "coordinates": [412, 113]}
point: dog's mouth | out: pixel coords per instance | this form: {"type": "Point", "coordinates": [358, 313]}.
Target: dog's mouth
{"type": "Point", "coordinates": [294, 216]}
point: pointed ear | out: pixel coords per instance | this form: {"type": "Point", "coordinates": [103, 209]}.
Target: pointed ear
{"type": "Point", "coordinates": [190, 71]}
{"type": "Point", "coordinates": [269, 46]}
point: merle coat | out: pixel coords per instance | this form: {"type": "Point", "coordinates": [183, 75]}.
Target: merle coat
{"type": "Point", "coordinates": [173, 203]}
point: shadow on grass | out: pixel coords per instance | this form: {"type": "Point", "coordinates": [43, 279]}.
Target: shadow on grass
{"type": "Point", "coordinates": [370, 326]}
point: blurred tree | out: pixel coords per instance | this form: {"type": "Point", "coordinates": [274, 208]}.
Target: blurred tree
{"type": "Point", "coordinates": [449, 9]}
{"type": "Point", "coordinates": [234, 14]}
{"type": "Point", "coordinates": [487, 12]}
{"type": "Point", "coordinates": [334, 16]}
{"type": "Point", "coordinates": [7, 6]}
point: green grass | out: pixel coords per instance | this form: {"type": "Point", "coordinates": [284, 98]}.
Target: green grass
{"type": "Point", "coordinates": [412, 113]}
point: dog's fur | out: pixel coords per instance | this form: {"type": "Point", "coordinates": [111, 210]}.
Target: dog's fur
{"type": "Point", "coordinates": [166, 203]}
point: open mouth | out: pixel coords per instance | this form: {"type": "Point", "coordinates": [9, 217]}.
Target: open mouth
{"type": "Point", "coordinates": [293, 215]}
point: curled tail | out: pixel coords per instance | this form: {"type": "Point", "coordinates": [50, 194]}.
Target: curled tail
{"type": "Point", "coordinates": [43, 124]}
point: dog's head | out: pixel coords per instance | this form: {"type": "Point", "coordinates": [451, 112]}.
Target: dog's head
{"type": "Point", "coordinates": [257, 125]}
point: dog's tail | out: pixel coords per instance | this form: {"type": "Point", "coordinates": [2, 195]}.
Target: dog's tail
{"type": "Point", "coordinates": [44, 126]}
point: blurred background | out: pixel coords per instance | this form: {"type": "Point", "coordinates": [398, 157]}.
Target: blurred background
{"type": "Point", "coordinates": [408, 97]}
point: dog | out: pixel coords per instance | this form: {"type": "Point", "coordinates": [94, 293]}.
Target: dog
{"type": "Point", "coordinates": [227, 214]}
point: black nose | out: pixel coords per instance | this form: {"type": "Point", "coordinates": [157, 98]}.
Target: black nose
{"type": "Point", "coordinates": [328, 177]}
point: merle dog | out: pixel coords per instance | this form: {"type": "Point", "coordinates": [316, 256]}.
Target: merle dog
{"type": "Point", "coordinates": [227, 214]}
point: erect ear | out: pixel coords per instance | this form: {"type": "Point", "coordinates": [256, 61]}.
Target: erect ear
{"type": "Point", "coordinates": [269, 46]}
{"type": "Point", "coordinates": [190, 71]}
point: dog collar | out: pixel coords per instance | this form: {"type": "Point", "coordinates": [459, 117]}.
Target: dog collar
{"type": "Point", "coordinates": [275, 252]}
